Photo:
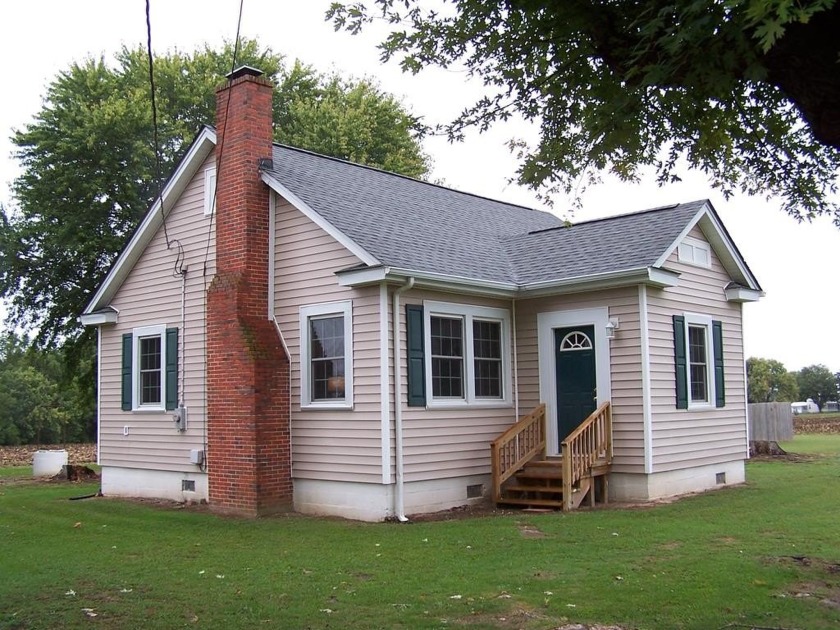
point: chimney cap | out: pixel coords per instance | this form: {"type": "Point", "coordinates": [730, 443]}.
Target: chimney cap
{"type": "Point", "coordinates": [244, 71]}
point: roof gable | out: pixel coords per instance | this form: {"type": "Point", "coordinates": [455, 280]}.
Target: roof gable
{"type": "Point", "coordinates": [392, 222]}
{"type": "Point", "coordinates": [198, 151]}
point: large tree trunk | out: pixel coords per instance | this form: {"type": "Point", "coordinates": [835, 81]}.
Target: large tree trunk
{"type": "Point", "coordinates": [766, 448]}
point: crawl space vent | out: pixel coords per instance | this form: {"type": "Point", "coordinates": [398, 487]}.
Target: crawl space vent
{"type": "Point", "coordinates": [720, 478]}
{"type": "Point", "coordinates": [187, 485]}
{"type": "Point", "coordinates": [475, 491]}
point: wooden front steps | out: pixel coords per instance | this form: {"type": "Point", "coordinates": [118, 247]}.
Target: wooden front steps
{"type": "Point", "coordinates": [523, 475]}
{"type": "Point", "coordinates": [539, 484]}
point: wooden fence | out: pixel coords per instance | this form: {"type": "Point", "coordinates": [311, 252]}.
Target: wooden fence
{"type": "Point", "coordinates": [770, 421]}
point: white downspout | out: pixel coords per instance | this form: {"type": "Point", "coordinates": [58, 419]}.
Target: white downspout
{"type": "Point", "coordinates": [399, 499]}
{"type": "Point", "coordinates": [515, 363]}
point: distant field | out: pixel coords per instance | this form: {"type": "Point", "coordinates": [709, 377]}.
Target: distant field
{"type": "Point", "coordinates": [22, 455]}
{"type": "Point", "coordinates": [816, 423]}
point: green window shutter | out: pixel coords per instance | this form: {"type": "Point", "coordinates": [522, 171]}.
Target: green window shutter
{"type": "Point", "coordinates": [680, 363]}
{"type": "Point", "coordinates": [415, 360]}
{"type": "Point", "coordinates": [127, 380]}
{"type": "Point", "coordinates": [171, 368]}
{"type": "Point", "coordinates": [720, 387]}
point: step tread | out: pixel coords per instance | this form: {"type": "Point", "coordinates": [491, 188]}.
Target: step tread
{"type": "Point", "coordinates": [527, 473]}
{"type": "Point", "coordinates": [529, 488]}
{"type": "Point", "coordinates": [540, 502]}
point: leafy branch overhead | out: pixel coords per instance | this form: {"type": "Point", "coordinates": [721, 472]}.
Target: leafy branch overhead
{"type": "Point", "coordinates": [88, 162]}
{"type": "Point", "coordinates": [746, 91]}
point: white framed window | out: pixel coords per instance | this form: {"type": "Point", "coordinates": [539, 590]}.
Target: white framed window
{"type": "Point", "coordinates": [149, 368]}
{"type": "Point", "coordinates": [210, 191]}
{"type": "Point", "coordinates": [699, 353]}
{"type": "Point", "coordinates": [326, 356]}
{"type": "Point", "coordinates": [695, 252]}
{"type": "Point", "coordinates": [467, 354]}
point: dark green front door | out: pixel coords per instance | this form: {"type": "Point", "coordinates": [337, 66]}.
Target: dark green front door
{"type": "Point", "coordinates": [574, 349]}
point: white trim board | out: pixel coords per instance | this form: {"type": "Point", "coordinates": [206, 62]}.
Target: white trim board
{"type": "Point", "coordinates": [348, 243]}
{"type": "Point", "coordinates": [647, 414]}
{"type": "Point", "coordinates": [384, 385]}
{"type": "Point", "coordinates": [546, 323]}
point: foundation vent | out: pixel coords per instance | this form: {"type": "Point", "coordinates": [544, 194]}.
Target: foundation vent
{"type": "Point", "coordinates": [720, 478]}
{"type": "Point", "coordinates": [475, 491]}
{"type": "Point", "coordinates": [187, 485]}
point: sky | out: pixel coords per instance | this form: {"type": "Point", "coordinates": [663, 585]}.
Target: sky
{"type": "Point", "coordinates": [797, 264]}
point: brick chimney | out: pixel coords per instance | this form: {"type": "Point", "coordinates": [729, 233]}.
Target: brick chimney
{"type": "Point", "coordinates": [248, 441]}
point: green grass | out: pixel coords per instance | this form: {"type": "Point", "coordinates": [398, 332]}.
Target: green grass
{"type": "Point", "coordinates": [14, 472]}
{"type": "Point", "coordinates": [814, 444]}
{"type": "Point", "coordinates": [736, 558]}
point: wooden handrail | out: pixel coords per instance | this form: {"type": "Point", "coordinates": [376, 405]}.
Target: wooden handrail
{"type": "Point", "coordinates": [590, 442]}
{"type": "Point", "coordinates": [516, 446]}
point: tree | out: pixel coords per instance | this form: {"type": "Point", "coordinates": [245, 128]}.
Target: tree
{"type": "Point", "coordinates": [89, 165]}
{"type": "Point", "coordinates": [41, 400]}
{"type": "Point", "coordinates": [769, 381]}
{"type": "Point", "coordinates": [746, 91]}
{"type": "Point", "coordinates": [817, 382]}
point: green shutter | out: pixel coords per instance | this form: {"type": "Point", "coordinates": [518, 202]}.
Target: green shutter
{"type": "Point", "coordinates": [127, 380]}
{"type": "Point", "coordinates": [171, 368]}
{"type": "Point", "coordinates": [680, 363]}
{"type": "Point", "coordinates": [415, 360]}
{"type": "Point", "coordinates": [720, 387]}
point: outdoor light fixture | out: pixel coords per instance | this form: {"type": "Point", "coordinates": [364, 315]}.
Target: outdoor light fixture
{"type": "Point", "coordinates": [612, 326]}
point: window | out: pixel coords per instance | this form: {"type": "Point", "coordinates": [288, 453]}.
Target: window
{"type": "Point", "coordinates": [457, 354]}
{"type": "Point", "coordinates": [210, 191]}
{"type": "Point", "coordinates": [487, 353]}
{"type": "Point", "coordinates": [698, 364]}
{"type": "Point", "coordinates": [326, 369]}
{"type": "Point", "coordinates": [150, 369]}
{"type": "Point", "coordinates": [695, 252]}
{"type": "Point", "coordinates": [447, 340]}
{"type": "Point", "coordinates": [698, 352]}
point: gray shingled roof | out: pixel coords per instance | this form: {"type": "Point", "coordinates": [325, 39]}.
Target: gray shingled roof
{"type": "Point", "coordinates": [413, 225]}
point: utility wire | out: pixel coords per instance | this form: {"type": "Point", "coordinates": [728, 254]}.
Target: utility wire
{"type": "Point", "coordinates": [221, 146]}
{"type": "Point", "coordinates": [221, 142]}
{"type": "Point", "coordinates": [178, 269]}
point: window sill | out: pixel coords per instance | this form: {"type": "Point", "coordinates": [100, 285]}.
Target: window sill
{"type": "Point", "coordinates": [320, 406]}
{"type": "Point", "coordinates": [443, 405]}
{"type": "Point", "coordinates": [148, 410]}
{"type": "Point", "coordinates": [700, 406]}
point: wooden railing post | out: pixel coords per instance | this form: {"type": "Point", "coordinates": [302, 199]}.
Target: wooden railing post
{"type": "Point", "coordinates": [589, 442]}
{"type": "Point", "coordinates": [515, 447]}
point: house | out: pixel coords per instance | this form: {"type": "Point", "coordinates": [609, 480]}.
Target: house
{"type": "Point", "coordinates": [261, 324]}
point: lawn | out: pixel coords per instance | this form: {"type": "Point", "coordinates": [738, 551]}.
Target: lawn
{"type": "Point", "coordinates": [762, 555]}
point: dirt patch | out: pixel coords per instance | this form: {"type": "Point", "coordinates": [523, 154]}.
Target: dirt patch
{"type": "Point", "coordinates": [793, 458]}
{"type": "Point", "coordinates": [22, 455]}
{"type": "Point", "coordinates": [529, 531]}
{"type": "Point", "coordinates": [822, 588]}
{"type": "Point", "coordinates": [822, 592]}
{"type": "Point", "coordinates": [476, 510]}
{"type": "Point", "coordinates": [521, 618]}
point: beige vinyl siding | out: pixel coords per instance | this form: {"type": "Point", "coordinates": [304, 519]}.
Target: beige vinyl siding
{"type": "Point", "coordinates": [151, 296]}
{"type": "Point", "coordinates": [684, 438]}
{"type": "Point", "coordinates": [328, 444]}
{"type": "Point", "coordinates": [625, 364]}
{"type": "Point", "coordinates": [449, 442]}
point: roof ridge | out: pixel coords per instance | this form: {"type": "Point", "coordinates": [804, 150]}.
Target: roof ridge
{"type": "Point", "coordinates": [414, 179]}
{"type": "Point", "coordinates": [632, 213]}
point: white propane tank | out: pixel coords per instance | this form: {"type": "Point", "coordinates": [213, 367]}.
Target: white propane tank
{"type": "Point", "coordinates": [48, 463]}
